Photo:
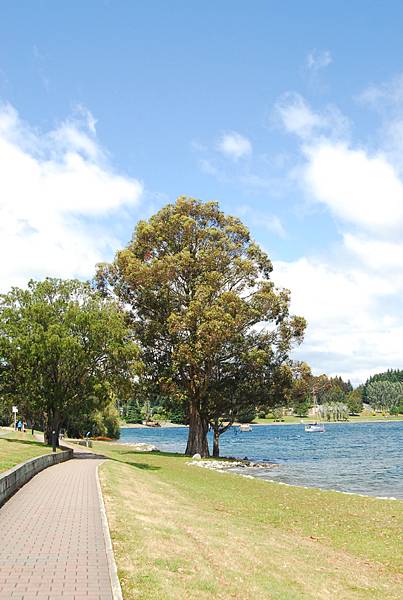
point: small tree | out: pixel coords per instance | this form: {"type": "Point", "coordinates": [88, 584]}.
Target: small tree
{"type": "Point", "coordinates": [354, 402]}
{"type": "Point", "coordinates": [67, 351]}
{"type": "Point", "coordinates": [133, 412]}
{"type": "Point", "coordinates": [301, 409]}
{"type": "Point", "coordinates": [336, 411]}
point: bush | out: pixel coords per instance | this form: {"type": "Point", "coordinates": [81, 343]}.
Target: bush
{"type": "Point", "coordinates": [133, 412]}
{"type": "Point", "coordinates": [246, 415]}
{"type": "Point", "coordinates": [397, 410]}
{"type": "Point", "coordinates": [178, 416]}
{"type": "Point", "coordinates": [301, 409]}
{"type": "Point", "coordinates": [278, 414]}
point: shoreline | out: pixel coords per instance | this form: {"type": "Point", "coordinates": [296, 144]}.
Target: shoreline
{"type": "Point", "coordinates": [235, 470]}
{"type": "Point", "coordinates": [303, 421]}
{"type": "Point", "coordinates": [236, 465]}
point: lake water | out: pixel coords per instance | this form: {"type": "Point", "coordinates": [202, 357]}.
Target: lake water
{"type": "Point", "coordinates": [364, 458]}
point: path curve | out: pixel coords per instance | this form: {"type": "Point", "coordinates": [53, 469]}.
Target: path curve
{"type": "Point", "coordinates": [52, 538]}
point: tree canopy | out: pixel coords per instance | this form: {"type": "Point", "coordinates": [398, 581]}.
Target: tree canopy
{"type": "Point", "coordinates": [384, 394]}
{"type": "Point", "coordinates": [198, 286]}
{"type": "Point", "coordinates": [64, 351]}
{"type": "Point", "coordinates": [391, 376]}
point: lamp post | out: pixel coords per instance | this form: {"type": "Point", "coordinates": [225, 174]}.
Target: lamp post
{"type": "Point", "coordinates": [15, 410]}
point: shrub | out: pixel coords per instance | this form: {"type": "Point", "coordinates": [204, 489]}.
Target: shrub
{"type": "Point", "coordinates": [246, 415]}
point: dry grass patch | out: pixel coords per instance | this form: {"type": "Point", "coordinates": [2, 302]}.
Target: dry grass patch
{"type": "Point", "coordinates": [185, 533]}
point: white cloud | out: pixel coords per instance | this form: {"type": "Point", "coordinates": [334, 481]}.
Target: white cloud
{"type": "Point", "coordinates": [208, 167]}
{"type": "Point", "coordinates": [350, 332]}
{"type": "Point", "coordinates": [234, 145]}
{"type": "Point", "coordinates": [384, 96]}
{"type": "Point", "coordinates": [296, 116]}
{"type": "Point", "coordinates": [352, 298]}
{"type": "Point", "coordinates": [256, 218]}
{"type": "Point", "coordinates": [377, 255]}
{"type": "Point", "coordinates": [318, 59]}
{"type": "Point", "coordinates": [55, 189]}
{"type": "Point", "coordinates": [358, 188]}
{"type": "Point", "coordinates": [387, 101]}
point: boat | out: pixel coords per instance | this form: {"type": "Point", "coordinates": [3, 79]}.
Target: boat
{"type": "Point", "coordinates": [315, 428]}
{"type": "Point", "coordinates": [245, 427]}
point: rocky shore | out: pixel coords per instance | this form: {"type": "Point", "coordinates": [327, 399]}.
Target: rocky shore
{"type": "Point", "coordinates": [141, 447]}
{"type": "Point", "coordinates": [233, 464]}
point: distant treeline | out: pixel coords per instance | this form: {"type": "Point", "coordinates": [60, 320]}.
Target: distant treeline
{"type": "Point", "coordinates": [384, 391]}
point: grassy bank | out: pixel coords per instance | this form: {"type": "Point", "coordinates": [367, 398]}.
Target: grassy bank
{"type": "Point", "coordinates": [182, 532]}
{"type": "Point", "coordinates": [292, 420]}
{"type": "Point", "coordinates": [17, 447]}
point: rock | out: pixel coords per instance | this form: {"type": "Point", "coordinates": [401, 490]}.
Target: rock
{"type": "Point", "coordinates": [196, 456]}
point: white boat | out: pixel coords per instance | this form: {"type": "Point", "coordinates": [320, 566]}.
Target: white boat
{"type": "Point", "coordinates": [245, 427]}
{"type": "Point", "coordinates": [315, 428]}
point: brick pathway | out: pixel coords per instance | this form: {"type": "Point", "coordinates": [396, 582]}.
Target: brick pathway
{"type": "Point", "coordinates": [51, 537]}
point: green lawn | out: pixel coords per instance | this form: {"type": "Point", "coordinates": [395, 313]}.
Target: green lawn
{"type": "Point", "coordinates": [17, 447]}
{"type": "Point", "coordinates": [185, 533]}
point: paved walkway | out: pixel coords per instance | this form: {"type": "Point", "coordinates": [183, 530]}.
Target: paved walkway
{"type": "Point", "coordinates": [51, 537]}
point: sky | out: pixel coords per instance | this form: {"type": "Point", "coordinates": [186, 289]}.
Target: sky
{"type": "Point", "coordinates": [289, 114]}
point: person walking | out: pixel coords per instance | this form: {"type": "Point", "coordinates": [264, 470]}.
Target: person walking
{"type": "Point", "coordinates": [19, 425]}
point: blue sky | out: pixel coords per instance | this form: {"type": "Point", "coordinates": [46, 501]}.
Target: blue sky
{"type": "Point", "coordinates": [289, 114]}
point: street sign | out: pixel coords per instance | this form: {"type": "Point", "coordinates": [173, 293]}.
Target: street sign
{"type": "Point", "coordinates": [15, 409]}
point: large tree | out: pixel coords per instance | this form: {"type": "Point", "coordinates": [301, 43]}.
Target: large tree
{"type": "Point", "coordinates": [197, 285]}
{"type": "Point", "coordinates": [65, 351]}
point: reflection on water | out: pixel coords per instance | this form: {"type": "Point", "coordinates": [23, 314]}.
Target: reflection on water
{"type": "Point", "coordinates": [363, 458]}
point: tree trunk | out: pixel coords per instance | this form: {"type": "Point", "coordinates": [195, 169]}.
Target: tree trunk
{"type": "Point", "coordinates": [216, 442]}
{"type": "Point", "coordinates": [52, 425]}
{"type": "Point", "coordinates": [197, 437]}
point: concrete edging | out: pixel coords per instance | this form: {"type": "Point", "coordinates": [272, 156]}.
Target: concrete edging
{"type": "Point", "coordinates": [13, 479]}
{"type": "Point", "coordinates": [113, 572]}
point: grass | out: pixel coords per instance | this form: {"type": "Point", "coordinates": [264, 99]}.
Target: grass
{"type": "Point", "coordinates": [17, 447]}
{"type": "Point", "coordinates": [184, 533]}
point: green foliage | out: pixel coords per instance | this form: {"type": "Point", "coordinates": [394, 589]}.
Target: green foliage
{"type": "Point", "coordinates": [391, 375]}
{"type": "Point", "coordinates": [333, 394]}
{"type": "Point", "coordinates": [336, 411]}
{"type": "Point", "coordinates": [301, 408]}
{"type": "Point", "coordinates": [398, 409]}
{"type": "Point", "coordinates": [384, 394]}
{"type": "Point", "coordinates": [278, 414]}
{"type": "Point", "coordinates": [197, 285]}
{"type": "Point", "coordinates": [106, 422]}
{"type": "Point", "coordinates": [246, 415]}
{"type": "Point", "coordinates": [159, 413]}
{"type": "Point", "coordinates": [133, 414]}
{"type": "Point", "coordinates": [178, 415]}
{"type": "Point", "coordinates": [66, 352]}
{"type": "Point", "coordinates": [354, 401]}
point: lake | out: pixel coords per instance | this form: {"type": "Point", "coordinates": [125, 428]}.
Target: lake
{"type": "Point", "coordinates": [363, 458]}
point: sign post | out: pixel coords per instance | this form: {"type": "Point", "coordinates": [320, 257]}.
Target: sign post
{"type": "Point", "coordinates": [15, 410]}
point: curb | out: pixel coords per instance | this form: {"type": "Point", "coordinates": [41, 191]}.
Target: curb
{"type": "Point", "coordinates": [113, 573]}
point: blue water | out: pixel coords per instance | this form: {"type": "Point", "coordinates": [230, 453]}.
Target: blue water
{"type": "Point", "coordinates": [363, 458]}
